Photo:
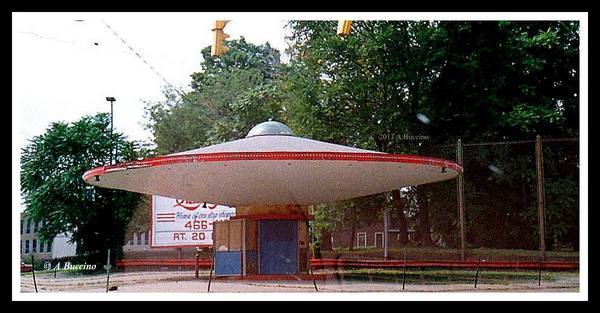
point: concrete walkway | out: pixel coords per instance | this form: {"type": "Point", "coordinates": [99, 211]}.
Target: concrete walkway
{"type": "Point", "coordinates": [166, 282]}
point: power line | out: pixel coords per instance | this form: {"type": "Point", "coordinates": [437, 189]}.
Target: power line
{"type": "Point", "coordinates": [141, 58]}
{"type": "Point", "coordinates": [137, 54]}
{"type": "Point", "coordinates": [49, 38]}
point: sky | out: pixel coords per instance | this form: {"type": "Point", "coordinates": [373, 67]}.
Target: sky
{"type": "Point", "coordinates": [65, 64]}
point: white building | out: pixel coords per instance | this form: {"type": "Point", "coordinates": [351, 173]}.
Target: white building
{"type": "Point", "coordinates": [31, 244]}
{"type": "Point", "coordinates": [62, 246]}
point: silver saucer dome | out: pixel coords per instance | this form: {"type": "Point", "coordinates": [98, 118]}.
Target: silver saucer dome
{"type": "Point", "coordinates": [270, 128]}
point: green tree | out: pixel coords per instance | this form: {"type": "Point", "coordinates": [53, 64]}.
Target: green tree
{"type": "Point", "coordinates": [506, 80]}
{"type": "Point", "coordinates": [241, 55]}
{"type": "Point", "coordinates": [230, 95]}
{"type": "Point", "coordinates": [371, 87]}
{"type": "Point", "coordinates": [52, 166]}
{"type": "Point", "coordinates": [479, 81]}
{"type": "Point", "coordinates": [517, 80]}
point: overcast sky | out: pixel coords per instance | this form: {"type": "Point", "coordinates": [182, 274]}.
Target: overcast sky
{"type": "Point", "coordinates": [60, 74]}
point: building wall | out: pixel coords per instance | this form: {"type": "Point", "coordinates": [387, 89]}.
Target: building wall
{"type": "Point", "coordinates": [138, 247]}
{"type": "Point", "coordinates": [31, 244]}
{"type": "Point", "coordinates": [139, 241]}
{"type": "Point", "coordinates": [62, 246]}
{"type": "Point", "coordinates": [369, 236]}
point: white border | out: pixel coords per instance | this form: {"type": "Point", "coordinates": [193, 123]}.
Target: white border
{"type": "Point", "coordinates": [584, 166]}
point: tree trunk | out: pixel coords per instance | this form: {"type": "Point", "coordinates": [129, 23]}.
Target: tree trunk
{"type": "Point", "coordinates": [325, 243]}
{"type": "Point", "coordinates": [353, 237]}
{"type": "Point", "coordinates": [317, 250]}
{"type": "Point", "coordinates": [399, 204]}
{"type": "Point", "coordinates": [423, 232]}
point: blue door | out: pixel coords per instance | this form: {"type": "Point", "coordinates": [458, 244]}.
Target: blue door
{"type": "Point", "coordinates": [278, 247]}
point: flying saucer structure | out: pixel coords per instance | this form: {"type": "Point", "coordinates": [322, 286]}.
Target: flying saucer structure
{"type": "Point", "coordinates": [271, 166]}
{"type": "Point", "coordinates": [270, 177]}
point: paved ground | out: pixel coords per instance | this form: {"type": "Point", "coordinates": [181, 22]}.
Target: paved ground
{"type": "Point", "coordinates": [185, 282]}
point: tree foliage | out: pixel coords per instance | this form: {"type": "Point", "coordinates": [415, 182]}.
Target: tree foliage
{"type": "Point", "coordinates": [478, 81]}
{"type": "Point", "coordinates": [52, 166]}
{"type": "Point", "coordinates": [409, 87]}
{"type": "Point", "coordinates": [231, 95]}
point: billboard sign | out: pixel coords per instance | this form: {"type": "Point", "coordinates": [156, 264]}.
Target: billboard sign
{"type": "Point", "coordinates": [180, 223]}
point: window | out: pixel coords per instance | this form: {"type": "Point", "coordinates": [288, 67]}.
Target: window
{"type": "Point", "coordinates": [361, 240]}
{"type": "Point", "coordinates": [146, 235]}
{"type": "Point", "coordinates": [28, 226]}
{"type": "Point", "coordinates": [379, 240]}
{"type": "Point", "coordinates": [41, 246]}
{"type": "Point", "coordinates": [21, 243]}
{"type": "Point", "coordinates": [35, 227]}
{"type": "Point", "coordinates": [34, 246]}
{"type": "Point", "coordinates": [49, 246]}
{"type": "Point", "coordinates": [21, 227]}
{"type": "Point", "coordinates": [139, 238]}
{"type": "Point", "coordinates": [26, 246]}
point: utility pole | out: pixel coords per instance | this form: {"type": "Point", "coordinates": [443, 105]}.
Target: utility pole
{"type": "Point", "coordinates": [539, 170]}
{"type": "Point", "coordinates": [461, 200]}
{"type": "Point", "coordinates": [197, 267]}
{"type": "Point", "coordinates": [107, 267]}
{"type": "Point", "coordinates": [33, 272]}
{"type": "Point", "coordinates": [386, 226]}
{"type": "Point", "coordinates": [111, 99]}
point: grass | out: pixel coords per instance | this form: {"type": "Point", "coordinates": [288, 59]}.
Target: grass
{"type": "Point", "coordinates": [449, 276]}
{"type": "Point", "coordinates": [435, 253]}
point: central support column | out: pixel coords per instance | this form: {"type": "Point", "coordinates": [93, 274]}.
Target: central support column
{"type": "Point", "coordinates": [274, 241]}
